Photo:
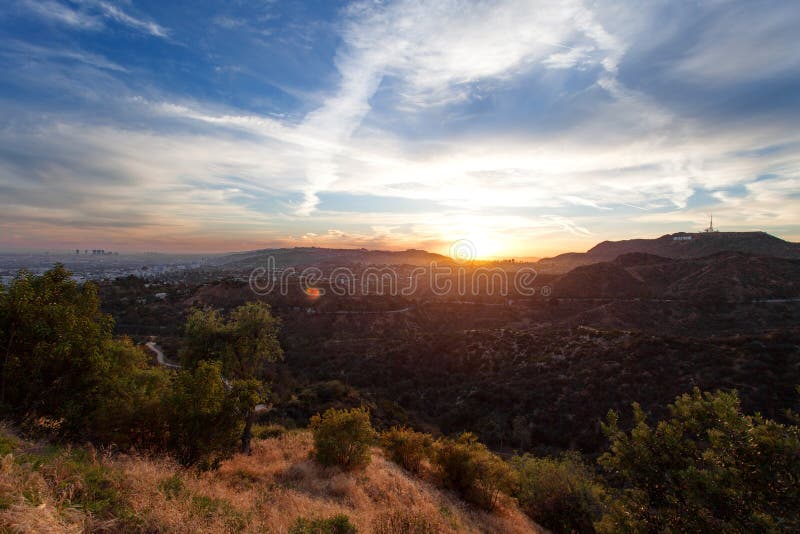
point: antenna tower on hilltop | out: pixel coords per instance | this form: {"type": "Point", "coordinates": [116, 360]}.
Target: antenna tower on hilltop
{"type": "Point", "coordinates": [711, 224]}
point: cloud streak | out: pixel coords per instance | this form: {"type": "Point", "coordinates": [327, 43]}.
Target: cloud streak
{"type": "Point", "coordinates": [91, 15]}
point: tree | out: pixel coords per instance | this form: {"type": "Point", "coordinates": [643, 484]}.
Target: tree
{"type": "Point", "coordinates": [202, 415]}
{"type": "Point", "coordinates": [706, 468]}
{"type": "Point", "coordinates": [55, 349]}
{"type": "Point", "coordinates": [244, 343]}
{"type": "Point", "coordinates": [133, 408]}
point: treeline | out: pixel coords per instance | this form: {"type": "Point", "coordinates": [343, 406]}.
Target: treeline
{"type": "Point", "coordinates": [706, 467]}
{"type": "Point", "coordinates": [65, 376]}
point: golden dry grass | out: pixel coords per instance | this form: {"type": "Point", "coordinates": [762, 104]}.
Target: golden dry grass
{"type": "Point", "coordinates": [264, 492]}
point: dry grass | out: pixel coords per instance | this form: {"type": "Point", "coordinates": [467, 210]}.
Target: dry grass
{"type": "Point", "coordinates": [264, 492]}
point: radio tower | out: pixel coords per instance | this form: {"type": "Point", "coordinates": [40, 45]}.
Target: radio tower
{"type": "Point", "coordinates": [710, 228]}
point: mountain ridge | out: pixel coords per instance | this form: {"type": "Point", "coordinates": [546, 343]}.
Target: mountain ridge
{"type": "Point", "coordinates": [680, 245]}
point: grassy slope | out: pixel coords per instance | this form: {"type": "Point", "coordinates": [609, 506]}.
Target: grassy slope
{"type": "Point", "coordinates": [48, 489]}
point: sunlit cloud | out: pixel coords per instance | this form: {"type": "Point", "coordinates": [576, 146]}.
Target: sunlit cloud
{"type": "Point", "coordinates": [527, 127]}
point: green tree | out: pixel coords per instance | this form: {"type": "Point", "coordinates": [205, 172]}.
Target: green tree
{"type": "Point", "coordinates": [133, 411]}
{"type": "Point", "coordinates": [244, 343]}
{"type": "Point", "coordinates": [203, 418]}
{"type": "Point", "coordinates": [55, 344]}
{"type": "Point", "coordinates": [706, 468]}
{"type": "Point", "coordinates": [343, 437]}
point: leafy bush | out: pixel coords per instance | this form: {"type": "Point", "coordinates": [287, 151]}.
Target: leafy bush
{"type": "Point", "coordinates": [560, 494]}
{"type": "Point", "coordinates": [407, 447]}
{"type": "Point", "coordinates": [707, 468]}
{"type": "Point", "coordinates": [343, 438]}
{"type": "Point", "coordinates": [469, 468]}
{"type": "Point", "coordinates": [338, 524]}
{"type": "Point", "coordinates": [405, 522]}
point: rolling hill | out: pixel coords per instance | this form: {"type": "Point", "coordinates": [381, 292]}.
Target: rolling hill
{"type": "Point", "coordinates": [292, 257]}
{"type": "Point", "coordinates": [724, 277]}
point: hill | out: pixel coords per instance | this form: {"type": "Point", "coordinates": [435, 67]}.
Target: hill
{"type": "Point", "coordinates": [47, 489]}
{"type": "Point", "coordinates": [723, 277]}
{"type": "Point", "coordinates": [291, 257]}
{"type": "Point", "coordinates": [677, 246]}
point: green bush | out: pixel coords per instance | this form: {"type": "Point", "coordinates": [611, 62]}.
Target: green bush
{"type": "Point", "coordinates": [560, 494]}
{"type": "Point", "coordinates": [407, 447]}
{"type": "Point", "coordinates": [472, 470]}
{"type": "Point", "coordinates": [338, 524]}
{"type": "Point", "coordinates": [343, 438]}
{"type": "Point", "coordinates": [706, 468]}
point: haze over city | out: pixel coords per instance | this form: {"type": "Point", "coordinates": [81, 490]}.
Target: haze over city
{"type": "Point", "coordinates": [529, 128]}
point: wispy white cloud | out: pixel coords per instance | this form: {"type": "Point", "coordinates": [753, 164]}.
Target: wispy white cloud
{"type": "Point", "coordinates": [92, 14]}
{"type": "Point", "coordinates": [117, 14]}
{"type": "Point", "coordinates": [62, 13]}
{"type": "Point", "coordinates": [28, 50]}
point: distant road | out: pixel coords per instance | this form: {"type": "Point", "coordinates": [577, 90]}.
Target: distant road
{"type": "Point", "coordinates": [162, 360]}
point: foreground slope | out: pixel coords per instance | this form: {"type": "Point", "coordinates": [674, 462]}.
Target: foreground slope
{"type": "Point", "coordinates": [44, 489]}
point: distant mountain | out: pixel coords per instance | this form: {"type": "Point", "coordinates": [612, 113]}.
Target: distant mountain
{"type": "Point", "coordinates": [724, 277]}
{"type": "Point", "coordinates": [292, 257]}
{"type": "Point", "coordinates": [680, 245]}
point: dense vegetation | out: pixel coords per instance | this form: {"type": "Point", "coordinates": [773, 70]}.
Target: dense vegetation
{"type": "Point", "coordinates": [705, 466]}
{"type": "Point", "coordinates": [64, 374]}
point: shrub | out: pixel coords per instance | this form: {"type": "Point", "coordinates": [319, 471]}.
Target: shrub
{"type": "Point", "coordinates": [469, 468]}
{"type": "Point", "coordinates": [343, 438]}
{"type": "Point", "coordinates": [407, 447]}
{"type": "Point", "coordinates": [560, 494]}
{"type": "Point", "coordinates": [338, 524]}
{"type": "Point", "coordinates": [405, 522]}
{"type": "Point", "coordinates": [707, 468]}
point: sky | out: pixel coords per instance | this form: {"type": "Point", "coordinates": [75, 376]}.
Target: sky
{"type": "Point", "coordinates": [526, 127]}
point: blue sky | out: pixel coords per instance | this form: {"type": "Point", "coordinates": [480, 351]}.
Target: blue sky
{"type": "Point", "coordinates": [527, 127]}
